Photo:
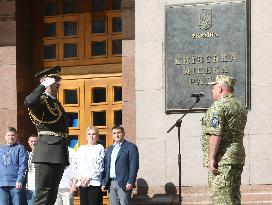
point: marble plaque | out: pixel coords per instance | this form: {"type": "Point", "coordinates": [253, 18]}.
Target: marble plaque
{"type": "Point", "coordinates": [201, 41]}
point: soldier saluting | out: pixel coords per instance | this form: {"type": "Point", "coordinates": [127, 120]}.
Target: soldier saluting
{"type": "Point", "coordinates": [50, 155]}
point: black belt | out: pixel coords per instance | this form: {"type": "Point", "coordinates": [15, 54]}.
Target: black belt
{"type": "Point", "coordinates": [113, 179]}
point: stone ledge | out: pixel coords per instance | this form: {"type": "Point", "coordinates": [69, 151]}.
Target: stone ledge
{"type": "Point", "coordinates": [199, 195]}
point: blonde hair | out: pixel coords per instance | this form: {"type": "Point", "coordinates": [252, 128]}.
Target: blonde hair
{"type": "Point", "coordinates": [94, 129]}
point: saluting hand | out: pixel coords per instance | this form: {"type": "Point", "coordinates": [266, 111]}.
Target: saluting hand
{"type": "Point", "coordinates": [47, 81]}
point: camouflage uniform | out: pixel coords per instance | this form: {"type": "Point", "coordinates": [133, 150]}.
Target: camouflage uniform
{"type": "Point", "coordinates": [226, 118]}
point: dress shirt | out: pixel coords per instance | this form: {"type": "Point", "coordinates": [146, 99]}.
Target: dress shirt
{"type": "Point", "coordinates": [115, 151]}
{"type": "Point", "coordinates": [30, 173]}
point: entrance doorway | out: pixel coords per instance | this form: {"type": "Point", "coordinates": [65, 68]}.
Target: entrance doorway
{"type": "Point", "coordinates": [92, 102]}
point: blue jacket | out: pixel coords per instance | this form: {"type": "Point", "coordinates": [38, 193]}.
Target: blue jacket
{"type": "Point", "coordinates": [13, 164]}
{"type": "Point", "coordinates": [126, 165]}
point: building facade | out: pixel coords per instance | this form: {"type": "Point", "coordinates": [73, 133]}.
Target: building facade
{"type": "Point", "coordinates": [113, 58]}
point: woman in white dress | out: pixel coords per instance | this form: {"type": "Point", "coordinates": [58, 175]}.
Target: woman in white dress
{"type": "Point", "coordinates": [89, 169]}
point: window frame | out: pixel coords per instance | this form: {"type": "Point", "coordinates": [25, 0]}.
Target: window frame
{"type": "Point", "coordinates": [84, 35]}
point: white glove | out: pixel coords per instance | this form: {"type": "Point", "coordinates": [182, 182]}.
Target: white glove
{"type": "Point", "coordinates": [48, 82]}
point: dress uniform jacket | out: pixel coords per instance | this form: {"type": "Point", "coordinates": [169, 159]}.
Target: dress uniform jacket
{"type": "Point", "coordinates": [49, 118]}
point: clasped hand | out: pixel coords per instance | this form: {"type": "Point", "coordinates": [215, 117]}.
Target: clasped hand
{"type": "Point", "coordinates": [85, 182]}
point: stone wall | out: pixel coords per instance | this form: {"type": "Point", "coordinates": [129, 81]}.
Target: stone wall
{"type": "Point", "coordinates": [8, 99]}
{"type": "Point", "coordinates": [159, 150]}
{"type": "Point", "coordinates": [128, 69]}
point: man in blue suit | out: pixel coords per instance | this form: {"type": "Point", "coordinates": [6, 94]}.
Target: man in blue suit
{"type": "Point", "coordinates": [121, 166]}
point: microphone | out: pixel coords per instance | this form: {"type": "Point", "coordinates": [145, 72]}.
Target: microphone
{"type": "Point", "coordinates": [197, 95]}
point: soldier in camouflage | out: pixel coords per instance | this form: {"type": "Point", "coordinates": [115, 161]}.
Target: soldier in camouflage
{"type": "Point", "coordinates": [222, 142]}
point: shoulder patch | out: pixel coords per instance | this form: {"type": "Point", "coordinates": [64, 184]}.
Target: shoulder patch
{"type": "Point", "coordinates": [215, 120]}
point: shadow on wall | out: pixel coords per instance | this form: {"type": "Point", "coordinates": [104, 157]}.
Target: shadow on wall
{"type": "Point", "coordinates": [142, 198]}
{"type": "Point", "coordinates": [141, 190]}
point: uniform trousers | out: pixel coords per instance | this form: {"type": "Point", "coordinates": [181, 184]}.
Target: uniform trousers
{"type": "Point", "coordinates": [225, 186]}
{"type": "Point", "coordinates": [117, 195]}
{"type": "Point", "coordinates": [92, 195]}
{"type": "Point", "coordinates": [47, 179]}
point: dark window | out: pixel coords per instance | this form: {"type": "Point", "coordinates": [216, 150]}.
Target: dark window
{"type": "Point", "coordinates": [70, 50]}
{"type": "Point", "coordinates": [118, 117]}
{"type": "Point", "coordinates": [99, 118]}
{"type": "Point", "coordinates": [70, 97]}
{"type": "Point", "coordinates": [50, 51]}
{"type": "Point", "coordinates": [117, 93]}
{"type": "Point", "coordinates": [98, 48]}
{"type": "Point", "coordinates": [70, 28]}
{"type": "Point", "coordinates": [98, 95]}
{"type": "Point", "coordinates": [98, 5]}
{"type": "Point", "coordinates": [49, 30]}
{"type": "Point", "coordinates": [69, 7]}
{"type": "Point", "coordinates": [116, 5]}
{"type": "Point", "coordinates": [99, 26]}
{"type": "Point", "coordinates": [49, 9]}
{"type": "Point", "coordinates": [102, 140]}
{"type": "Point", "coordinates": [72, 119]}
{"type": "Point", "coordinates": [116, 24]}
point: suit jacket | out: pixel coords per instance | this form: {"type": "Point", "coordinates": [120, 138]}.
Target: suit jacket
{"type": "Point", "coordinates": [126, 165]}
{"type": "Point", "coordinates": [48, 115]}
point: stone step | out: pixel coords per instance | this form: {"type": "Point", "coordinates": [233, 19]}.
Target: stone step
{"type": "Point", "coordinates": [251, 195]}
{"type": "Point", "coordinates": [256, 194]}
{"type": "Point", "coordinates": [247, 198]}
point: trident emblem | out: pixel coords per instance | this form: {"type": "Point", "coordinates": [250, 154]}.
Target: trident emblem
{"type": "Point", "coordinates": [205, 19]}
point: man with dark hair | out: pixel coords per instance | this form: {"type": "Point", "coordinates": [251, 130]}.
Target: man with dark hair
{"type": "Point", "coordinates": [13, 167]}
{"type": "Point", "coordinates": [121, 164]}
{"type": "Point", "coordinates": [222, 142]}
{"type": "Point", "coordinates": [50, 154]}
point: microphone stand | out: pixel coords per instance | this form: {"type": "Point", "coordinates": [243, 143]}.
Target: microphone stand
{"type": "Point", "coordinates": [178, 125]}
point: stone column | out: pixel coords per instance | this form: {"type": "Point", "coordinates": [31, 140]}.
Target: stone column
{"type": "Point", "coordinates": [128, 69]}
{"type": "Point", "coordinates": [8, 92]}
